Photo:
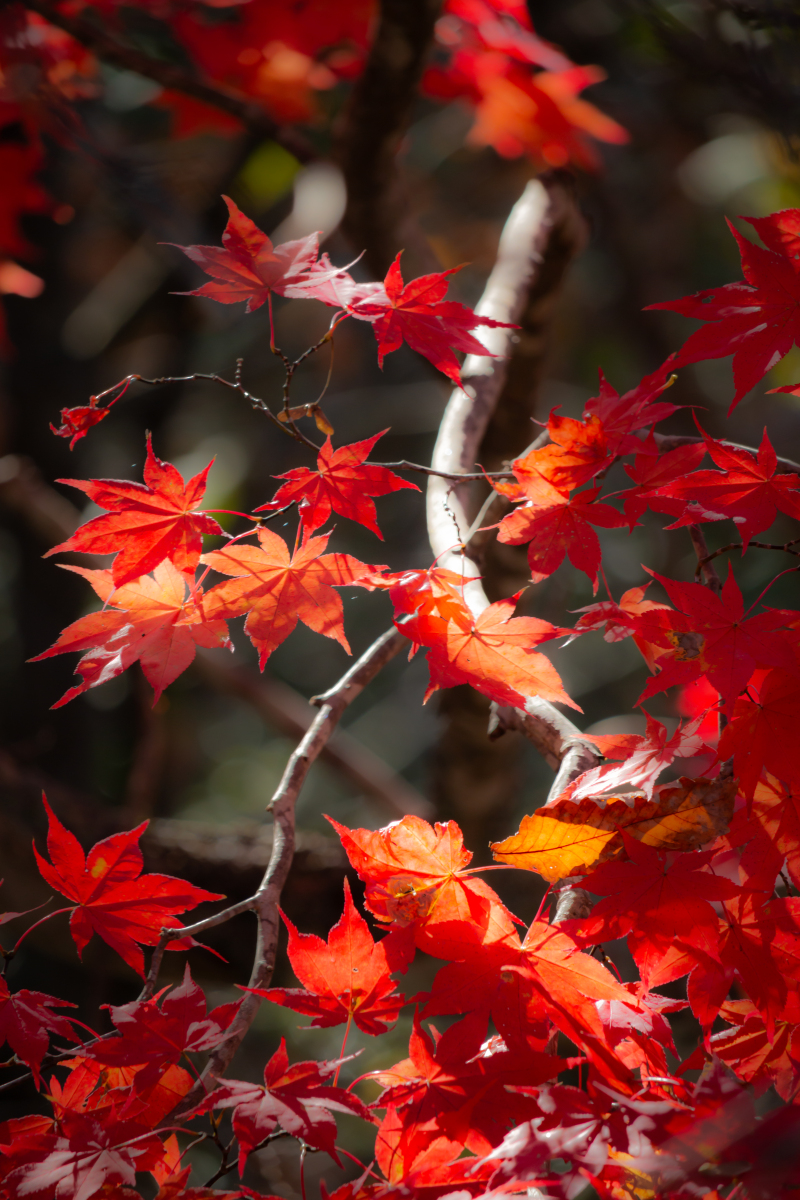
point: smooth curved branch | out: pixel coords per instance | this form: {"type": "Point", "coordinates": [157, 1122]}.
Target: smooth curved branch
{"type": "Point", "coordinates": [535, 219]}
{"type": "Point", "coordinates": [282, 805]}
{"type": "Point", "coordinates": [95, 37]}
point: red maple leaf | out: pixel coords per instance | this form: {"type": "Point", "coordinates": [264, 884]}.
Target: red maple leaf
{"type": "Point", "coordinates": [619, 621]}
{"type": "Point", "coordinates": [90, 1087]}
{"type": "Point", "coordinates": [748, 935]}
{"type": "Point", "coordinates": [89, 1152]}
{"type": "Point", "coordinates": [761, 731]}
{"type": "Point", "coordinates": [650, 473]}
{"type": "Point", "coordinates": [297, 1097]}
{"type": "Point", "coordinates": [555, 526]}
{"type": "Point", "coordinates": [76, 422]}
{"type": "Point", "coordinates": [248, 267]}
{"type": "Point", "coordinates": [146, 522]}
{"type": "Point", "coordinates": [746, 490]}
{"type": "Point", "coordinates": [755, 1057]}
{"type": "Point", "coordinates": [343, 482]}
{"type": "Point", "coordinates": [645, 757]}
{"type": "Point", "coordinates": [622, 416]}
{"type": "Point", "coordinates": [420, 1160]}
{"type": "Point", "coordinates": [26, 1020]}
{"type": "Point", "coordinates": [519, 983]}
{"type": "Point", "coordinates": [658, 901]}
{"type": "Point", "coordinates": [578, 450]}
{"type": "Point", "coordinates": [153, 1035]}
{"type": "Point", "coordinates": [639, 1031]}
{"type": "Point", "coordinates": [149, 620]}
{"type": "Point", "coordinates": [424, 601]}
{"type": "Point", "coordinates": [711, 635]}
{"type": "Point", "coordinates": [494, 652]}
{"type": "Point", "coordinates": [776, 807]}
{"type": "Point", "coordinates": [111, 896]}
{"type": "Point", "coordinates": [518, 112]}
{"type": "Point", "coordinates": [767, 1154]}
{"type": "Point", "coordinates": [577, 1129]}
{"type": "Point", "coordinates": [416, 873]}
{"type": "Point", "coordinates": [418, 314]}
{"type": "Point", "coordinates": [459, 1088]}
{"type": "Point", "coordinates": [277, 591]}
{"type": "Point", "coordinates": [346, 978]}
{"type": "Point", "coordinates": [758, 321]}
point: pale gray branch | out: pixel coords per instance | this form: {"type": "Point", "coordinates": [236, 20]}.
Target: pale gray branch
{"type": "Point", "coordinates": [282, 806]}
{"type": "Point", "coordinates": [541, 214]}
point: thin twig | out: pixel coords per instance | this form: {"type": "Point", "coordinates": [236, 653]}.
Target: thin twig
{"type": "Point", "coordinates": [234, 385]}
{"type": "Point", "coordinates": [169, 935]}
{"type": "Point", "coordinates": [460, 477]}
{"type": "Point", "coordinates": [94, 35]}
{"type": "Point", "coordinates": [671, 441]}
{"type": "Point", "coordinates": [265, 901]}
{"type": "Point", "coordinates": [786, 547]}
{"type": "Point", "coordinates": [287, 711]}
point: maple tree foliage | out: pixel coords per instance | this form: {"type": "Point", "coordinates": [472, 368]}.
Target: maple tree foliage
{"type": "Point", "coordinates": [342, 483]}
{"type": "Point", "coordinates": [109, 894]}
{"type": "Point", "coordinates": [332, 994]}
{"type": "Point", "coordinates": [755, 321]}
{"type": "Point", "coordinates": [149, 620]}
{"type": "Point", "coordinates": [553, 1074]}
{"type": "Point", "coordinates": [684, 872]}
{"type": "Point", "coordinates": [147, 523]}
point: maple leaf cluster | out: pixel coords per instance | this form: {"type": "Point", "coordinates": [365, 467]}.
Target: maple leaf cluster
{"type": "Point", "coordinates": [532, 1068]}
{"type": "Point", "coordinates": [469, 1110]}
{"type": "Point", "coordinates": [550, 1074]}
{"type": "Point", "coordinates": [282, 57]}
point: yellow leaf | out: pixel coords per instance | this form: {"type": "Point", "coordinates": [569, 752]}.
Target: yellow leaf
{"type": "Point", "coordinates": [569, 838]}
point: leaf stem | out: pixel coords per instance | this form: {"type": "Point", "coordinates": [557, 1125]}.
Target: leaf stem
{"type": "Point", "coordinates": [344, 1043]}
{"type": "Point", "coordinates": [9, 954]}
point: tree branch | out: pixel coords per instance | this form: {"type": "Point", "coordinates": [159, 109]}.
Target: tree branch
{"type": "Point", "coordinates": [54, 518]}
{"type": "Point", "coordinates": [705, 568]}
{"type": "Point", "coordinates": [105, 46]}
{"type": "Point", "coordinates": [282, 805]}
{"type": "Point", "coordinates": [285, 709]}
{"type": "Point", "coordinates": [541, 213]}
{"type": "Point", "coordinates": [671, 441]}
{"type": "Point", "coordinates": [376, 119]}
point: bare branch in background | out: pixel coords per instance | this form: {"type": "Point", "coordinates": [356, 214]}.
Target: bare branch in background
{"type": "Point", "coordinates": [543, 218]}
{"type": "Point", "coordinates": [281, 707]}
{"type": "Point", "coordinates": [53, 518]}
{"type": "Point", "coordinates": [376, 119]}
{"type": "Point", "coordinates": [23, 490]}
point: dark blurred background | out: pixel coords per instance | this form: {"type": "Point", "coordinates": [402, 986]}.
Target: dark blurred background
{"type": "Point", "coordinates": [709, 95]}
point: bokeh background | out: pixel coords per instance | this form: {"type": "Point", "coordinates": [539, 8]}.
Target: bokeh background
{"type": "Point", "coordinates": [709, 94]}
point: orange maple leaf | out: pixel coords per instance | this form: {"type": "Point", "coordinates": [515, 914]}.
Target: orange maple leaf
{"type": "Point", "coordinates": [149, 620]}
{"type": "Point", "coordinates": [277, 591]}
{"type": "Point", "coordinates": [570, 838]}
{"type": "Point", "coordinates": [416, 873]}
{"type": "Point", "coordinates": [494, 652]}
